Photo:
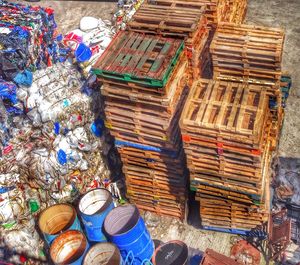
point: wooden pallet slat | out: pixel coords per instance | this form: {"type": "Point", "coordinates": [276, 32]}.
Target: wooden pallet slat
{"type": "Point", "coordinates": [231, 111]}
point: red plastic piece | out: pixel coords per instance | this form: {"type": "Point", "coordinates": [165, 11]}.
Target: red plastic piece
{"type": "Point", "coordinates": [23, 259]}
{"type": "Point", "coordinates": [186, 138]}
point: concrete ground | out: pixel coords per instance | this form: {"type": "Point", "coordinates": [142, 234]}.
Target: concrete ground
{"type": "Point", "coordinates": [273, 13]}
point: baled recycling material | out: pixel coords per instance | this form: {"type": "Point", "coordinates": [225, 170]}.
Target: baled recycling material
{"type": "Point", "coordinates": [28, 39]}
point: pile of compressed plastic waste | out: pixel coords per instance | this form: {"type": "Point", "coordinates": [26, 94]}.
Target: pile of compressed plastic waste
{"type": "Point", "coordinates": [28, 41]}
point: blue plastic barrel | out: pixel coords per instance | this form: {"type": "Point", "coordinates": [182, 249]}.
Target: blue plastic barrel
{"type": "Point", "coordinates": [93, 208]}
{"type": "Point", "coordinates": [69, 248]}
{"type": "Point", "coordinates": [126, 229]}
{"type": "Point", "coordinates": [103, 253]}
{"type": "Point", "coordinates": [56, 219]}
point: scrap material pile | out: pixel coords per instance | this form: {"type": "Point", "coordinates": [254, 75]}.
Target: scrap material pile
{"type": "Point", "coordinates": [126, 9]}
{"type": "Point", "coordinates": [225, 128]}
{"type": "Point", "coordinates": [143, 78]}
{"type": "Point", "coordinates": [166, 118]}
{"type": "Point", "coordinates": [27, 39]}
{"type": "Point", "coordinates": [54, 154]}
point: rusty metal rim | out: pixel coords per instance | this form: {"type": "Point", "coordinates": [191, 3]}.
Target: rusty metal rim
{"type": "Point", "coordinates": [55, 205]}
{"type": "Point", "coordinates": [58, 241]}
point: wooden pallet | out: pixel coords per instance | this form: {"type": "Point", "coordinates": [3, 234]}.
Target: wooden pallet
{"type": "Point", "coordinates": [172, 144]}
{"type": "Point", "coordinates": [139, 58]}
{"type": "Point", "coordinates": [167, 141]}
{"type": "Point", "coordinates": [155, 175]}
{"type": "Point", "coordinates": [155, 165]}
{"type": "Point", "coordinates": [245, 168]}
{"type": "Point", "coordinates": [140, 109]}
{"type": "Point", "coordinates": [214, 151]}
{"type": "Point", "coordinates": [247, 53]}
{"type": "Point", "coordinates": [229, 211]}
{"type": "Point", "coordinates": [158, 190]}
{"type": "Point", "coordinates": [225, 194]}
{"type": "Point", "coordinates": [143, 130]}
{"type": "Point", "coordinates": [152, 155]}
{"type": "Point", "coordinates": [224, 169]}
{"type": "Point", "coordinates": [237, 184]}
{"type": "Point", "coordinates": [225, 112]}
{"type": "Point", "coordinates": [238, 11]}
{"type": "Point", "coordinates": [143, 94]}
{"type": "Point", "coordinates": [129, 120]}
{"type": "Point", "coordinates": [179, 19]}
{"type": "Point", "coordinates": [199, 58]}
{"type": "Point", "coordinates": [162, 210]}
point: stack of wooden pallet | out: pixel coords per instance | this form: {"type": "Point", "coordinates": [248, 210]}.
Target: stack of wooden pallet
{"type": "Point", "coordinates": [144, 79]}
{"type": "Point", "coordinates": [177, 19]}
{"type": "Point", "coordinates": [225, 129]}
{"type": "Point", "coordinates": [233, 11]}
{"type": "Point", "coordinates": [253, 54]}
{"type": "Point", "coordinates": [247, 53]}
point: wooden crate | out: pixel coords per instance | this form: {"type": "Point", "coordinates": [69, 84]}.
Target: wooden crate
{"type": "Point", "coordinates": [227, 113]}
{"type": "Point", "coordinates": [138, 58]}
{"type": "Point", "coordinates": [247, 53]}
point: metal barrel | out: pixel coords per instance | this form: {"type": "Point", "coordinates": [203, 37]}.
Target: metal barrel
{"type": "Point", "coordinates": [69, 248]}
{"type": "Point", "coordinates": [56, 219]}
{"type": "Point", "coordinates": [126, 229]}
{"type": "Point", "coordinates": [103, 254]}
{"type": "Point", "coordinates": [171, 253]}
{"type": "Point", "coordinates": [93, 208]}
